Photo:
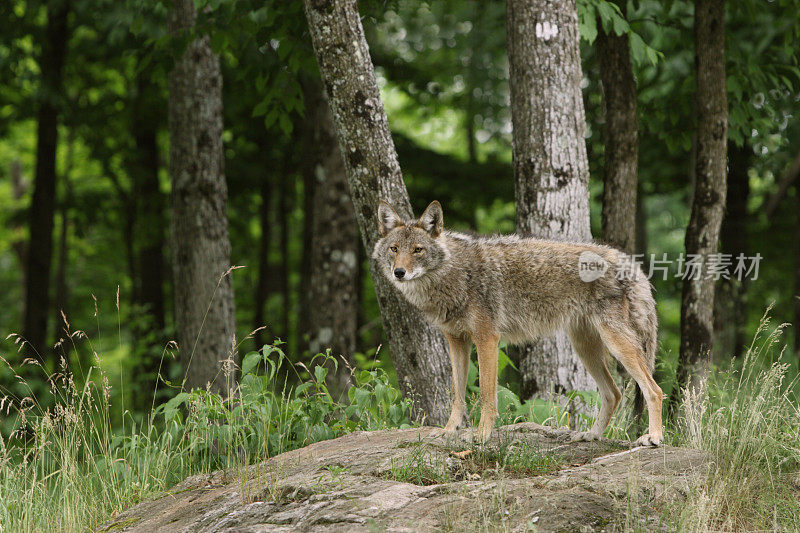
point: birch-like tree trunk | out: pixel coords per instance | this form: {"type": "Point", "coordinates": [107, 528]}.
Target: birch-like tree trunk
{"type": "Point", "coordinates": [621, 136]}
{"type": "Point", "coordinates": [708, 204]}
{"type": "Point", "coordinates": [373, 173]}
{"type": "Point", "coordinates": [42, 210]}
{"type": "Point", "coordinates": [551, 170]}
{"type": "Point", "coordinates": [204, 308]}
{"type": "Point", "coordinates": [333, 262]}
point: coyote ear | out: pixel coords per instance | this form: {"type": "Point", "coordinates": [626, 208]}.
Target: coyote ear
{"type": "Point", "coordinates": [388, 219]}
{"type": "Point", "coordinates": [432, 220]}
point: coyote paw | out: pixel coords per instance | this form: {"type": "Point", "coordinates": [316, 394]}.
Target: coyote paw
{"type": "Point", "coordinates": [585, 436]}
{"type": "Point", "coordinates": [448, 430]}
{"type": "Point", "coordinates": [452, 426]}
{"type": "Point", "coordinates": [456, 421]}
{"type": "Point", "coordinates": [649, 440]}
{"type": "Point", "coordinates": [482, 434]}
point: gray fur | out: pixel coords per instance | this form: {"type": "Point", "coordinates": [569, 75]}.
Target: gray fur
{"type": "Point", "coordinates": [523, 288]}
{"type": "Point", "coordinates": [530, 287]}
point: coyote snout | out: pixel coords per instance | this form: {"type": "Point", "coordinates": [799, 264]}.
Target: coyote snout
{"type": "Point", "coordinates": [480, 290]}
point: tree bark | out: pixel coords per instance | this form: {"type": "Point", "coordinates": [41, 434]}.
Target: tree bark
{"type": "Point", "coordinates": [61, 300]}
{"type": "Point", "coordinates": [19, 187]}
{"type": "Point", "coordinates": [373, 173]}
{"type": "Point", "coordinates": [702, 234]}
{"type": "Point", "coordinates": [40, 244]}
{"type": "Point", "coordinates": [204, 307]}
{"type": "Point", "coordinates": [332, 290]}
{"type": "Point", "coordinates": [308, 127]}
{"type": "Point", "coordinates": [621, 135]}
{"type": "Point", "coordinates": [150, 202]}
{"type": "Point", "coordinates": [286, 205]}
{"type": "Point", "coordinates": [260, 326]}
{"type": "Point", "coordinates": [641, 226]}
{"type": "Point", "coordinates": [797, 271]}
{"type": "Point", "coordinates": [730, 313]}
{"type": "Point", "coordinates": [551, 170]}
{"type": "Point", "coordinates": [147, 232]}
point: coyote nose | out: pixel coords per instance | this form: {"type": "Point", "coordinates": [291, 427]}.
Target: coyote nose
{"type": "Point", "coordinates": [399, 273]}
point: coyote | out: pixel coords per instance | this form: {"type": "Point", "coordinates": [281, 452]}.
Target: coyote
{"type": "Point", "coordinates": [485, 289]}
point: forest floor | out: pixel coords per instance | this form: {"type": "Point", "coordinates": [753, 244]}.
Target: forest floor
{"type": "Point", "coordinates": [527, 478]}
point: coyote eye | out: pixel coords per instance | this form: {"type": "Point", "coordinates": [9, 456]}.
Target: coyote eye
{"type": "Point", "coordinates": [393, 248]}
{"type": "Point", "coordinates": [417, 250]}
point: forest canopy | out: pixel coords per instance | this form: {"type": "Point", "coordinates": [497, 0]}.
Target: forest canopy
{"type": "Point", "coordinates": [95, 96]}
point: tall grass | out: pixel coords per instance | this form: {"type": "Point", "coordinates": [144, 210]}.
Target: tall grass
{"type": "Point", "coordinates": [748, 419]}
{"type": "Point", "coordinates": [65, 469]}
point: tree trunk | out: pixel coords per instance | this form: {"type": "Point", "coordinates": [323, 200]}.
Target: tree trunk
{"type": "Point", "coordinates": [332, 290]}
{"type": "Point", "coordinates": [641, 226]}
{"type": "Point", "coordinates": [702, 234]}
{"type": "Point", "coordinates": [40, 244]}
{"type": "Point", "coordinates": [286, 205]}
{"type": "Point", "coordinates": [60, 301]}
{"type": "Point", "coordinates": [149, 228]}
{"type": "Point", "coordinates": [730, 313]}
{"type": "Point", "coordinates": [307, 127]}
{"type": "Point", "coordinates": [204, 307]}
{"type": "Point", "coordinates": [60, 311]}
{"type": "Point", "coordinates": [621, 135]}
{"type": "Point", "coordinates": [148, 235]}
{"type": "Point", "coordinates": [797, 271]}
{"type": "Point", "coordinates": [19, 186]}
{"type": "Point", "coordinates": [551, 170]}
{"type": "Point", "coordinates": [260, 325]}
{"type": "Point", "coordinates": [373, 173]}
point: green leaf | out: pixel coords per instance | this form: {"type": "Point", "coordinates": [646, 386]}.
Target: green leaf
{"type": "Point", "coordinates": [271, 117]}
{"type": "Point", "coordinates": [286, 124]}
{"type": "Point", "coordinates": [621, 26]}
{"type": "Point", "coordinates": [653, 55]}
{"type": "Point", "coordinates": [638, 46]}
{"type": "Point", "coordinates": [300, 389]}
{"type": "Point", "coordinates": [587, 27]}
{"type": "Point", "coordinates": [171, 407]}
{"type": "Point", "coordinates": [505, 361]}
{"type": "Point", "coordinates": [250, 362]}
{"type": "Point", "coordinates": [261, 108]}
{"type": "Point", "coordinates": [319, 373]}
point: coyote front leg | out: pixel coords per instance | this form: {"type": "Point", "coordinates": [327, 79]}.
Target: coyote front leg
{"type": "Point", "coordinates": [459, 360]}
{"type": "Point", "coordinates": [486, 342]}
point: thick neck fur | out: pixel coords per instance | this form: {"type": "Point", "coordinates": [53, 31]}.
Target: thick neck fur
{"type": "Point", "coordinates": [440, 291]}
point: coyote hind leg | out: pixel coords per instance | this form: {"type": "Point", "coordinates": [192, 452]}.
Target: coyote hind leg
{"type": "Point", "coordinates": [633, 359]}
{"type": "Point", "coordinates": [592, 352]}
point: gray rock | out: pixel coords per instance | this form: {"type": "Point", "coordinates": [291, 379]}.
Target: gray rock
{"type": "Point", "coordinates": [418, 480]}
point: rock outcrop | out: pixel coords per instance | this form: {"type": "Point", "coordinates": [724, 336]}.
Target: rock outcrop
{"type": "Point", "coordinates": [528, 478]}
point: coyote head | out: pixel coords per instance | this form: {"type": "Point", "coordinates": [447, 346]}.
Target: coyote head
{"type": "Point", "coordinates": [409, 250]}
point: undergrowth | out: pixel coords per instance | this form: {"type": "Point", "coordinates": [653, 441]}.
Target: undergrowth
{"type": "Point", "coordinates": [63, 468]}
{"type": "Point", "coordinates": [67, 468]}
{"type": "Point", "coordinates": [747, 418]}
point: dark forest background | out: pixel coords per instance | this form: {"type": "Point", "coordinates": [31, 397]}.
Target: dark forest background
{"type": "Point", "coordinates": [87, 174]}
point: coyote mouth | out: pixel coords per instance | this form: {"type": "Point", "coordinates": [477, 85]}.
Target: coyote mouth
{"type": "Point", "coordinates": [409, 276]}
